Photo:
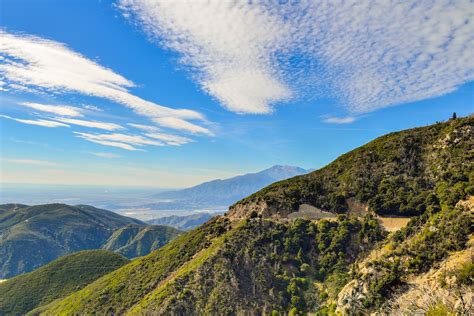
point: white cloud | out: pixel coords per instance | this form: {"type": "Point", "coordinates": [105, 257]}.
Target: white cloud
{"type": "Point", "coordinates": [32, 162]}
{"type": "Point", "coordinates": [147, 128]}
{"type": "Point", "coordinates": [154, 132]}
{"type": "Point", "coordinates": [169, 139]}
{"type": "Point", "coordinates": [92, 108]}
{"type": "Point", "coordinates": [177, 123]}
{"type": "Point", "coordinates": [62, 110]}
{"type": "Point", "coordinates": [365, 54]}
{"type": "Point", "coordinates": [230, 46]}
{"type": "Point", "coordinates": [339, 120]}
{"type": "Point", "coordinates": [119, 140]}
{"type": "Point", "coordinates": [94, 124]}
{"type": "Point", "coordinates": [94, 139]}
{"type": "Point", "coordinates": [44, 65]}
{"type": "Point", "coordinates": [105, 155]}
{"type": "Point", "coordinates": [44, 123]}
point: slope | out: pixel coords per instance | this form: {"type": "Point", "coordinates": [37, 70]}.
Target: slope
{"type": "Point", "coordinates": [33, 236]}
{"type": "Point", "coordinates": [404, 173]}
{"type": "Point", "coordinates": [401, 267]}
{"type": "Point", "coordinates": [56, 279]}
{"type": "Point", "coordinates": [135, 240]}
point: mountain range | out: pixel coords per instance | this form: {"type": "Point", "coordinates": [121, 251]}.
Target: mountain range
{"type": "Point", "coordinates": [220, 194]}
{"type": "Point", "coordinates": [276, 252]}
{"type": "Point", "coordinates": [31, 236]}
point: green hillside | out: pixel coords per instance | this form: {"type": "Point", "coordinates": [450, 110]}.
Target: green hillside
{"type": "Point", "coordinates": [56, 279]}
{"type": "Point", "coordinates": [137, 240]}
{"type": "Point", "coordinates": [404, 173]}
{"type": "Point", "coordinates": [31, 236]}
{"type": "Point", "coordinates": [255, 260]}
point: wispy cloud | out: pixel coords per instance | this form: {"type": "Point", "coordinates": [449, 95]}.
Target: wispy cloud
{"type": "Point", "coordinates": [44, 123]}
{"type": "Point", "coordinates": [92, 108]}
{"type": "Point", "coordinates": [169, 139]}
{"type": "Point", "coordinates": [31, 162]}
{"type": "Point", "coordinates": [105, 155]}
{"type": "Point", "coordinates": [62, 110]}
{"type": "Point", "coordinates": [364, 54]}
{"type": "Point", "coordinates": [119, 140]}
{"type": "Point", "coordinates": [143, 127]}
{"type": "Point", "coordinates": [339, 120]}
{"type": "Point", "coordinates": [93, 124]}
{"type": "Point", "coordinates": [95, 139]}
{"type": "Point", "coordinates": [36, 63]}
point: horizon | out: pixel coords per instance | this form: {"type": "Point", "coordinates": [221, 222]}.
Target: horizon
{"type": "Point", "coordinates": [133, 104]}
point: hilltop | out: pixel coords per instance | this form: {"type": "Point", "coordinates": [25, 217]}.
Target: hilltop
{"type": "Point", "coordinates": [405, 174]}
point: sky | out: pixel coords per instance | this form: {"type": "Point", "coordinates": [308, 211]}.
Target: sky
{"type": "Point", "coordinates": [172, 93]}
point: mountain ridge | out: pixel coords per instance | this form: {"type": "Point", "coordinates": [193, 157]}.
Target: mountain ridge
{"type": "Point", "coordinates": [411, 158]}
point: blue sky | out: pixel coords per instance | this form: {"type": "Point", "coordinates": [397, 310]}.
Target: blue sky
{"type": "Point", "coordinates": [170, 94]}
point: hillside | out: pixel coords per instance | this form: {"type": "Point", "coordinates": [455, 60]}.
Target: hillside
{"type": "Point", "coordinates": [222, 193]}
{"type": "Point", "coordinates": [255, 260]}
{"type": "Point", "coordinates": [405, 173]}
{"type": "Point", "coordinates": [136, 240]}
{"type": "Point", "coordinates": [185, 222]}
{"type": "Point", "coordinates": [425, 267]}
{"type": "Point", "coordinates": [56, 279]}
{"type": "Point", "coordinates": [31, 236]}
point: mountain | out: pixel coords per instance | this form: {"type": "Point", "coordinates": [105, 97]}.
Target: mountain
{"type": "Point", "coordinates": [222, 193]}
{"type": "Point", "coordinates": [404, 174]}
{"type": "Point", "coordinates": [278, 252]}
{"type": "Point", "coordinates": [137, 240]}
{"type": "Point", "coordinates": [185, 222]}
{"type": "Point", "coordinates": [58, 278]}
{"type": "Point", "coordinates": [31, 236]}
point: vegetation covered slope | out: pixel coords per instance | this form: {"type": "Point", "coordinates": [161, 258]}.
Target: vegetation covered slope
{"type": "Point", "coordinates": [255, 260]}
{"type": "Point", "coordinates": [394, 269]}
{"type": "Point", "coordinates": [120, 290]}
{"type": "Point", "coordinates": [56, 279]}
{"type": "Point", "coordinates": [138, 240]}
{"type": "Point", "coordinates": [33, 236]}
{"type": "Point", "coordinates": [253, 265]}
{"type": "Point", "coordinates": [403, 173]}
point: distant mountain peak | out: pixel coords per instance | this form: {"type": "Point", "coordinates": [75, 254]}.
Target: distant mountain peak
{"type": "Point", "coordinates": [284, 171]}
{"type": "Point", "coordinates": [226, 192]}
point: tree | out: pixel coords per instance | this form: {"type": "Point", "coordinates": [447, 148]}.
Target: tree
{"type": "Point", "coordinates": [454, 116]}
